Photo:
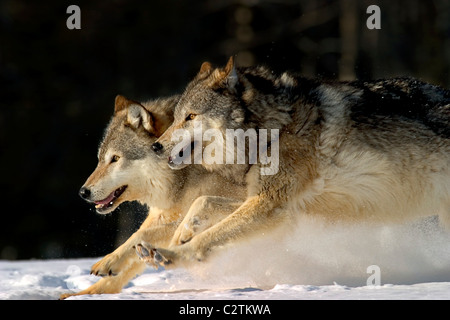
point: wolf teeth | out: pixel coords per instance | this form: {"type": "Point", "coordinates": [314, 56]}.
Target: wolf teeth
{"type": "Point", "coordinates": [98, 206]}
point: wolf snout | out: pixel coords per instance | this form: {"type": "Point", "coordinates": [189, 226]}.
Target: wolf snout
{"type": "Point", "coordinates": [157, 148]}
{"type": "Point", "coordinates": [84, 193]}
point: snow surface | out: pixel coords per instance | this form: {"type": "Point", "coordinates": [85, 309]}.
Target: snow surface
{"type": "Point", "coordinates": [316, 263]}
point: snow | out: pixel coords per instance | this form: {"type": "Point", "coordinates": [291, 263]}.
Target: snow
{"type": "Point", "coordinates": [24, 280]}
{"type": "Point", "coordinates": [316, 262]}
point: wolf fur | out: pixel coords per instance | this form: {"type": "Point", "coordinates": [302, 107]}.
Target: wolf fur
{"type": "Point", "coordinates": [348, 151]}
{"type": "Point", "coordinates": [128, 170]}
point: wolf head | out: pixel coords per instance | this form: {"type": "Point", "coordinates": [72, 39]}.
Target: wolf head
{"type": "Point", "coordinates": [209, 102]}
{"type": "Point", "coordinates": [127, 169]}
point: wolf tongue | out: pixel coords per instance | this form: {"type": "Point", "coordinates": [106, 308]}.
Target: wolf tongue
{"type": "Point", "coordinates": [107, 200]}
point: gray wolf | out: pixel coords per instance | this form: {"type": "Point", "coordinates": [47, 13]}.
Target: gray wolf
{"type": "Point", "coordinates": [348, 151]}
{"type": "Point", "coordinates": [128, 170]}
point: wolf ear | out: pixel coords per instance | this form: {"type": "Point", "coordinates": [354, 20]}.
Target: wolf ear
{"type": "Point", "coordinates": [227, 76]}
{"type": "Point", "coordinates": [231, 74]}
{"type": "Point", "coordinates": [121, 103]}
{"type": "Point", "coordinates": [206, 67]}
{"type": "Point", "coordinates": [138, 115]}
{"type": "Point", "coordinates": [205, 70]}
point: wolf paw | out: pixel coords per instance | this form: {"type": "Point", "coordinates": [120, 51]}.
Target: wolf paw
{"type": "Point", "coordinates": [104, 268]}
{"type": "Point", "coordinates": [152, 256]}
{"type": "Point", "coordinates": [111, 265]}
{"type": "Point", "coordinates": [174, 257]}
{"type": "Point", "coordinates": [66, 295]}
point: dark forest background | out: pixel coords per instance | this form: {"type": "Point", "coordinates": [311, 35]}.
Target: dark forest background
{"type": "Point", "coordinates": [57, 86]}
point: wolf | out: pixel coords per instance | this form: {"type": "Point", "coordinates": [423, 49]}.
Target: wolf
{"type": "Point", "coordinates": [371, 151]}
{"type": "Point", "coordinates": [128, 170]}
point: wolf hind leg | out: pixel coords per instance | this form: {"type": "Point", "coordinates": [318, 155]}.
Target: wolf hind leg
{"type": "Point", "coordinates": [204, 212]}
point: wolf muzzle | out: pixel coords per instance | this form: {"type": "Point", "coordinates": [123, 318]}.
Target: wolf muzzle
{"type": "Point", "coordinates": [84, 193]}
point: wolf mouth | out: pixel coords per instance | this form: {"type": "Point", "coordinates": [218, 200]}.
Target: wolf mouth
{"type": "Point", "coordinates": [108, 202]}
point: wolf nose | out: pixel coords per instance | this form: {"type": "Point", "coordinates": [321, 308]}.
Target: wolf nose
{"type": "Point", "coordinates": [84, 193]}
{"type": "Point", "coordinates": [157, 147]}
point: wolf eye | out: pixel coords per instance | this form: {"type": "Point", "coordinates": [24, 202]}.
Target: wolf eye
{"type": "Point", "coordinates": [115, 158]}
{"type": "Point", "coordinates": [191, 116]}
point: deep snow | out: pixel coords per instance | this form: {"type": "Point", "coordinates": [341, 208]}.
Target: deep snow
{"type": "Point", "coordinates": [316, 262]}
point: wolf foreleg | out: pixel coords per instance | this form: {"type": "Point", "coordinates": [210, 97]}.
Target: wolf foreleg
{"type": "Point", "coordinates": [122, 265]}
{"type": "Point", "coordinates": [251, 217]}
{"type": "Point", "coordinates": [113, 263]}
{"type": "Point", "coordinates": [204, 212]}
{"type": "Point", "coordinates": [111, 285]}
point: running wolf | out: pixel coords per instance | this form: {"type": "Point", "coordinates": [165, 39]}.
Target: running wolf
{"type": "Point", "coordinates": [128, 170]}
{"type": "Point", "coordinates": [348, 151]}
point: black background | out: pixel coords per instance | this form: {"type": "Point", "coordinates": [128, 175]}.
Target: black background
{"type": "Point", "coordinates": [57, 86]}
